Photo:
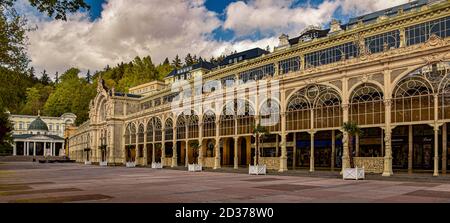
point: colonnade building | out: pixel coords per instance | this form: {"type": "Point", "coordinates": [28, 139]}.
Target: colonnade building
{"type": "Point", "coordinates": [388, 72]}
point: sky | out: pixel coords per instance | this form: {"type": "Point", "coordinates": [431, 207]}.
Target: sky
{"type": "Point", "coordinates": [113, 31]}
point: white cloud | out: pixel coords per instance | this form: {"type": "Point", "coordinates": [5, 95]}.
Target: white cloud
{"type": "Point", "coordinates": [270, 17]}
{"type": "Point", "coordinates": [367, 6]}
{"type": "Point", "coordinates": [158, 28]}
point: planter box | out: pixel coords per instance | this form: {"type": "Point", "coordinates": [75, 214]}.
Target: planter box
{"type": "Point", "coordinates": [194, 168]}
{"type": "Point", "coordinates": [353, 174]}
{"type": "Point", "coordinates": [130, 164]}
{"type": "Point", "coordinates": [103, 163]}
{"type": "Point", "coordinates": [157, 165]}
{"type": "Point", "coordinates": [87, 162]}
{"type": "Point", "coordinates": [257, 170]}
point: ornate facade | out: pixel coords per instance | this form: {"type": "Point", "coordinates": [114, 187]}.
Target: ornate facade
{"type": "Point", "coordinates": [388, 72]}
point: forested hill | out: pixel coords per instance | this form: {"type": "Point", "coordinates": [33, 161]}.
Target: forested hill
{"type": "Point", "coordinates": [24, 93]}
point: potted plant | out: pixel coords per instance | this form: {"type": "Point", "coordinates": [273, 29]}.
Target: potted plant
{"type": "Point", "coordinates": [259, 132]}
{"type": "Point", "coordinates": [195, 145]}
{"type": "Point", "coordinates": [352, 129]}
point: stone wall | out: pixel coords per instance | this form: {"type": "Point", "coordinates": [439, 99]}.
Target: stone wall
{"type": "Point", "coordinates": [167, 161]}
{"type": "Point", "coordinates": [370, 164]}
{"type": "Point", "coordinates": [272, 163]}
{"type": "Point", "coordinates": [208, 162]}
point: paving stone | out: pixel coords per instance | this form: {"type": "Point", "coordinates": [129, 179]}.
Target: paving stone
{"type": "Point", "coordinates": [28, 182]}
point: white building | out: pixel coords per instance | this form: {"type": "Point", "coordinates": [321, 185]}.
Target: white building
{"type": "Point", "coordinates": [40, 136]}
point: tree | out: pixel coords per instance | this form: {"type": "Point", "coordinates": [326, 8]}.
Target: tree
{"type": "Point", "coordinates": [176, 62]}
{"type": "Point", "coordinates": [163, 70]}
{"type": "Point", "coordinates": [31, 74]}
{"type": "Point", "coordinates": [6, 128]}
{"type": "Point", "coordinates": [36, 99]}
{"type": "Point", "coordinates": [72, 94]}
{"type": "Point", "coordinates": [13, 86]}
{"type": "Point", "coordinates": [352, 129]}
{"type": "Point", "coordinates": [195, 145]}
{"type": "Point", "coordinates": [13, 54]}
{"type": "Point", "coordinates": [56, 8]}
{"type": "Point", "coordinates": [56, 77]}
{"type": "Point", "coordinates": [45, 79]}
{"type": "Point", "coordinates": [259, 132]}
{"type": "Point", "coordinates": [188, 60]}
{"type": "Point", "coordinates": [166, 61]}
{"type": "Point", "coordinates": [89, 77]}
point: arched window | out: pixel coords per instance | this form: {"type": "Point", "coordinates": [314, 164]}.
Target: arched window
{"type": "Point", "coordinates": [245, 117]}
{"type": "Point", "coordinates": [366, 105]}
{"type": "Point", "coordinates": [209, 124]}
{"type": "Point", "coordinates": [158, 129]}
{"type": "Point", "coordinates": [181, 127]}
{"type": "Point", "coordinates": [168, 129]}
{"type": "Point", "coordinates": [413, 100]}
{"type": "Point", "coordinates": [193, 126]}
{"type": "Point", "coordinates": [327, 109]}
{"type": "Point", "coordinates": [298, 112]}
{"type": "Point", "coordinates": [141, 134]}
{"type": "Point", "coordinates": [227, 119]}
{"type": "Point", "coordinates": [133, 133]}
{"type": "Point", "coordinates": [270, 115]}
{"type": "Point", "coordinates": [150, 128]}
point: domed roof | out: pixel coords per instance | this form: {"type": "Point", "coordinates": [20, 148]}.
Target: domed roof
{"type": "Point", "coordinates": [38, 124]}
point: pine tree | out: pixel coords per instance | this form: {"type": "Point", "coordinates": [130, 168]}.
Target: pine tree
{"type": "Point", "coordinates": [166, 61]}
{"type": "Point", "coordinates": [31, 74]}
{"type": "Point", "coordinates": [45, 79]}
{"type": "Point", "coordinates": [189, 60]}
{"type": "Point", "coordinates": [6, 128]}
{"type": "Point", "coordinates": [212, 60]}
{"type": "Point", "coordinates": [176, 62]}
{"type": "Point", "coordinates": [89, 77]}
{"type": "Point", "coordinates": [56, 77]}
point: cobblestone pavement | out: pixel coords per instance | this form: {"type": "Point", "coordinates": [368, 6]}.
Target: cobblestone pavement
{"type": "Point", "coordinates": [34, 182]}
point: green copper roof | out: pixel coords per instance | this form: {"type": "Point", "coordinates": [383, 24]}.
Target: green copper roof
{"type": "Point", "coordinates": [38, 124]}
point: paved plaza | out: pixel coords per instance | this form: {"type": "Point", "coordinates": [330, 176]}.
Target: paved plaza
{"type": "Point", "coordinates": [53, 182]}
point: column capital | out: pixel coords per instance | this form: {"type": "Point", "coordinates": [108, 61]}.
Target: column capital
{"type": "Point", "coordinates": [436, 127]}
{"type": "Point", "coordinates": [387, 102]}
